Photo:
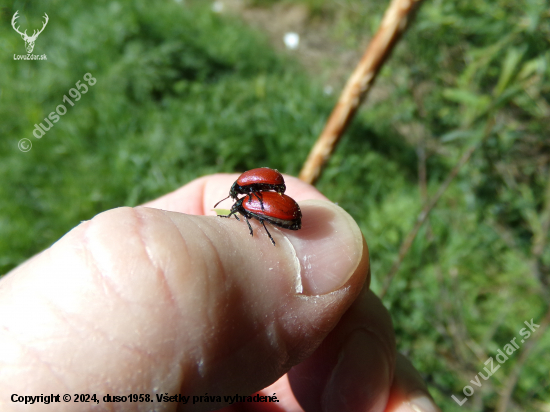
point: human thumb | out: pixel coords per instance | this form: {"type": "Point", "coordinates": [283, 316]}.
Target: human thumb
{"type": "Point", "coordinates": [191, 308]}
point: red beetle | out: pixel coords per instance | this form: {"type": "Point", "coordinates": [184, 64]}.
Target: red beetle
{"type": "Point", "coordinates": [279, 210]}
{"type": "Point", "coordinates": [257, 180]}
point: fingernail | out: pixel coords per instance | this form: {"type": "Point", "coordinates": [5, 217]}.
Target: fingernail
{"type": "Point", "coordinates": [351, 387]}
{"type": "Point", "coordinates": [329, 247]}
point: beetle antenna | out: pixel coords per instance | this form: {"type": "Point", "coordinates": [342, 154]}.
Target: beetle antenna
{"type": "Point", "coordinates": [269, 234]}
{"type": "Point", "coordinates": [220, 201]}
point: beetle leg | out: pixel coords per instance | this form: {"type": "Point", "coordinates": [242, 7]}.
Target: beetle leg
{"type": "Point", "coordinates": [250, 227]}
{"type": "Point", "coordinates": [229, 215]}
{"type": "Point", "coordinates": [269, 234]}
{"type": "Point", "coordinates": [260, 199]}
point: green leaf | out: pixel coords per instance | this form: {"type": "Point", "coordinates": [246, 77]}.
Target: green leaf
{"type": "Point", "coordinates": [509, 68]}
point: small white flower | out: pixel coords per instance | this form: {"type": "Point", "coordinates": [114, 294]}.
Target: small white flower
{"type": "Point", "coordinates": [292, 40]}
{"type": "Point", "coordinates": [217, 7]}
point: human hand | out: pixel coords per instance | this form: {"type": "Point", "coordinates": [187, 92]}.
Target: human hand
{"type": "Point", "coordinates": [148, 301]}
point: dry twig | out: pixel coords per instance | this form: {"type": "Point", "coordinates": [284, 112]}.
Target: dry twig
{"type": "Point", "coordinates": [538, 244]}
{"type": "Point", "coordinates": [513, 376]}
{"type": "Point", "coordinates": [423, 216]}
{"type": "Point", "coordinates": [393, 25]}
{"type": "Point", "coordinates": [407, 243]}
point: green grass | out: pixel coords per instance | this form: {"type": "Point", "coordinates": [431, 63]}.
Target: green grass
{"type": "Point", "coordinates": [182, 92]}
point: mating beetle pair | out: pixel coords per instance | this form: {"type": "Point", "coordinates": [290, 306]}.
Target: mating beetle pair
{"type": "Point", "coordinates": [270, 203]}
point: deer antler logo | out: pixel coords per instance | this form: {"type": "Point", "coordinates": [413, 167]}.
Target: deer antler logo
{"type": "Point", "coordinates": [29, 40]}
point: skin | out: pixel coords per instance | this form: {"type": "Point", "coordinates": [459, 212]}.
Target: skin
{"type": "Point", "coordinates": [169, 299]}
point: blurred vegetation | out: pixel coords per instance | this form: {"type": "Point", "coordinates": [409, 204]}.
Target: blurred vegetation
{"type": "Point", "coordinates": [182, 92]}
